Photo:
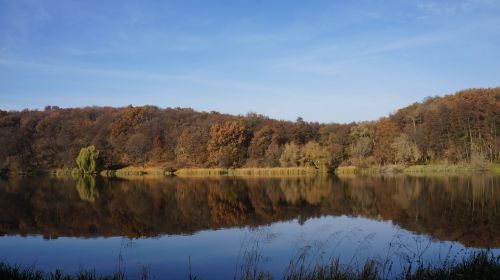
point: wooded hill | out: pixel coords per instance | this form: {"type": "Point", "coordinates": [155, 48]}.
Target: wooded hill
{"type": "Point", "coordinates": [456, 128]}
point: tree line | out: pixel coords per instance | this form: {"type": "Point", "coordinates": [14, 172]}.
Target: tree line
{"type": "Point", "coordinates": [462, 127]}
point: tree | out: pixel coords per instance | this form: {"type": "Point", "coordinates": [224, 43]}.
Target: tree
{"type": "Point", "coordinates": [463, 127]}
{"type": "Point", "coordinates": [406, 151]}
{"type": "Point", "coordinates": [259, 146]}
{"type": "Point", "coordinates": [312, 154]}
{"type": "Point", "coordinates": [362, 139]}
{"type": "Point", "coordinates": [272, 156]}
{"type": "Point", "coordinates": [137, 148]}
{"type": "Point", "coordinates": [88, 160]}
{"type": "Point", "coordinates": [385, 132]}
{"type": "Point", "coordinates": [191, 149]}
{"type": "Point", "coordinates": [227, 144]}
{"type": "Point", "coordinates": [290, 156]}
{"type": "Point", "coordinates": [336, 138]}
{"type": "Point", "coordinates": [304, 131]}
{"type": "Point", "coordinates": [336, 152]}
{"type": "Point", "coordinates": [361, 147]}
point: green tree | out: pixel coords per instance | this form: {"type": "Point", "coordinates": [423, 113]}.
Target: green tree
{"type": "Point", "coordinates": [89, 160]}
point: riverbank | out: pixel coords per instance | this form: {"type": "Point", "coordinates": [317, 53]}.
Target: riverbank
{"type": "Point", "coordinates": [477, 266]}
{"type": "Point", "coordinates": [138, 171]}
{"type": "Point", "coordinates": [135, 171]}
{"type": "Point", "coordinates": [437, 168]}
{"type": "Point", "coordinates": [275, 171]}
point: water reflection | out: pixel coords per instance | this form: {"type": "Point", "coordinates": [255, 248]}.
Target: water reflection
{"type": "Point", "coordinates": [464, 209]}
{"type": "Point", "coordinates": [86, 188]}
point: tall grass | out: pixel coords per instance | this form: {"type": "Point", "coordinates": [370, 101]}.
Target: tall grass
{"type": "Point", "coordinates": [274, 171]}
{"type": "Point", "coordinates": [440, 168]}
{"type": "Point", "coordinates": [355, 170]}
{"type": "Point", "coordinates": [9, 272]}
{"type": "Point", "coordinates": [431, 168]}
{"type": "Point", "coordinates": [136, 171]}
{"type": "Point", "coordinates": [478, 266]}
{"type": "Point", "coordinates": [483, 265]}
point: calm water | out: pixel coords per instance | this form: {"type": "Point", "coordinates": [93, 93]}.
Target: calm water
{"type": "Point", "coordinates": [220, 225]}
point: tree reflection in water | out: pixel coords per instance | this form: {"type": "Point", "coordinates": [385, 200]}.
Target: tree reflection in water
{"type": "Point", "coordinates": [86, 187]}
{"type": "Point", "coordinates": [458, 208]}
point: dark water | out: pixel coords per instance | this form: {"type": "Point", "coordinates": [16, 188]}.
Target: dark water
{"type": "Point", "coordinates": [220, 226]}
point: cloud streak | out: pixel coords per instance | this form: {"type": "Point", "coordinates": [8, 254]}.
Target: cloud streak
{"type": "Point", "coordinates": [197, 78]}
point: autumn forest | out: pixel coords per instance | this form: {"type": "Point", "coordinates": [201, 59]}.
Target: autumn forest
{"type": "Point", "coordinates": [458, 128]}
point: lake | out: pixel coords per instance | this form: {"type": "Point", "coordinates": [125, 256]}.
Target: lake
{"type": "Point", "coordinates": [220, 227]}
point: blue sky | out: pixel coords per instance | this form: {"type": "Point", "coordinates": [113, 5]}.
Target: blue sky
{"type": "Point", "coordinates": [328, 61]}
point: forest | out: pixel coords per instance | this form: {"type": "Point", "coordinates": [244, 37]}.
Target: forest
{"type": "Point", "coordinates": [458, 128]}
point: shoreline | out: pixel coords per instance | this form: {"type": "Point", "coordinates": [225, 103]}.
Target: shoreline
{"type": "Point", "coordinates": [420, 169]}
{"type": "Point", "coordinates": [157, 171]}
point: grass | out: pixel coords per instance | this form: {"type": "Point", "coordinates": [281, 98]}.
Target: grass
{"type": "Point", "coordinates": [131, 171]}
{"type": "Point", "coordinates": [478, 266]}
{"type": "Point", "coordinates": [355, 170]}
{"type": "Point", "coordinates": [136, 171]}
{"type": "Point", "coordinates": [441, 168]}
{"type": "Point", "coordinates": [431, 168]}
{"type": "Point", "coordinates": [274, 171]}
{"type": "Point", "coordinates": [9, 272]}
{"type": "Point", "coordinates": [495, 168]}
{"type": "Point", "coordinates": [483, 265]}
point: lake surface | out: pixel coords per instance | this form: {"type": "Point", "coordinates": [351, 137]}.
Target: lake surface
{"type": "Point", "coordinates": [219, 227]}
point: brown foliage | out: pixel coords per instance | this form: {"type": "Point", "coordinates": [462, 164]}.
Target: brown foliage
{"type": "Point", "coordinates": [385, 133]}
{"type": "Point", "coordinates": [227, 144]}
{"type": "Point", "coordinates": [454, 128]}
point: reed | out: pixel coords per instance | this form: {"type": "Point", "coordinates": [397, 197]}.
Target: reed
{"type": "Point", "coordinates": [136, 171]}
{"type": "Point", "coordinates": [432, 168]}
{"type": "Point", "coordinates": [440, 168]}
{"type": "Point", "coordinates": [273, 171]}
{"type": "Point", "coordinates": [10, 272]}
{"type": "Point", "coordinates": [482, 265]}
{"type": "Point", "coordinates": [354, 170]}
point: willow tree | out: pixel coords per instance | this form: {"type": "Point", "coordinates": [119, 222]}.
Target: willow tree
{"type": "Point", "coordinates": [88, 161]}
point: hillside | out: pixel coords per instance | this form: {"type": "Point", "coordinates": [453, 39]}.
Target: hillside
{"type": "Point", "coordinates": [456, 128]}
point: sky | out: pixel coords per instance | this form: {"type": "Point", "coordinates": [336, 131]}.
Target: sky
{"type": "Point", "coordinates": [327, 61]}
